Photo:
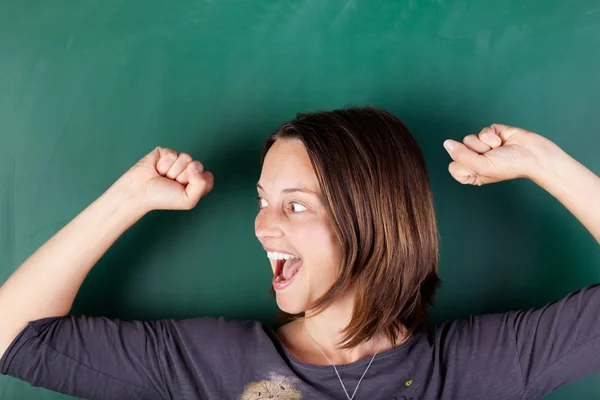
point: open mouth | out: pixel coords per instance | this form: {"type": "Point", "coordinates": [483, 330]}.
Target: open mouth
{"type": "Point", "coordinates": [285, 271]}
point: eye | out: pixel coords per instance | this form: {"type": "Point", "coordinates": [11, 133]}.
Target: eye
{"type": "Point", "coordinates": [259, 201]}
{"type": "Point", "coordinates": [260, 204]}
{"type": "Point", "coordinates": [295, 202]}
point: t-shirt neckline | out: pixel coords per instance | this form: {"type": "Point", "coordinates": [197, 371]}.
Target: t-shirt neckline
{"type": "Point", "coordinates": [354, 364]}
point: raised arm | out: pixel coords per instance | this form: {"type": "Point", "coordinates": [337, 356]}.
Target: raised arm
{"type": "Point", "coordinates": [502, 152]}
{"type": "Point", "coordinates": [47, 282]}
{"type": "Point", "coordinates": [575, 186]}
{"type": "Point", "coordinates": [550, 346]}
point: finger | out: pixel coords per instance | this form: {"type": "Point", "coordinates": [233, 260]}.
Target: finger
{"type": "Point", "coordinates": [462, 174]}
{"type": "Point", "coordinates": [474, 143]}
{"type": "Point", "coordinates": [193, 166]}
{"type": "Point", "coordinates": [183, 177]}
{"type": "Point", "coordinates": [200, 184]}
{"type": "Point", "coordinates": [497, 128]}
{"type": "Point", "coordinates": [489, 137]}
{"type": "Point", "coordinates": [505, 131]}
{"type": "Point", "coordinates": [166, 160]}
{"type": "Point", "coordinates": [153, 156]}
{"type": "Point", "coordinates": [465, 156]}
{"type": "Point", "coordinates": [183, 159]}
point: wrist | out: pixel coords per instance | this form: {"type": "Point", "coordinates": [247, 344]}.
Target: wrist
{"type": "Point", "coordinates": [547, 160]}
{"type": "Point", "coordinates": [131, 202]}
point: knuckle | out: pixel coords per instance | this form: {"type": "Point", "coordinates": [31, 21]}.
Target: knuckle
{"type": "Point", "coordinates": [185, 157]}
{"type": "Point", "coordinates": [469, 138]}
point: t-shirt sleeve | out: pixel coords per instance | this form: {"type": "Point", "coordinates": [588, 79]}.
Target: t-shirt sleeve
{"type": "Point", "coordinates": [521, 354]}
{"type": "Point", "coordinates": [560, 342]}
{"type": "Point", "coordinates": [101, 358]}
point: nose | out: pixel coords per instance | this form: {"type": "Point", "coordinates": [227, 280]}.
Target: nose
{"type": "Point", "coordinates": [267, 224]}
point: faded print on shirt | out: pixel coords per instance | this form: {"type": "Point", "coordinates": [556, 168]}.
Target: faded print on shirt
{"type": "Point", "coordinates": [279, 387]}
{"type": "Point", "coordinates": [274, 387]}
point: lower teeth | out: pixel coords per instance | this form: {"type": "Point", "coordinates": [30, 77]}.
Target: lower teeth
{"type": "Point", "coordinates": [280, 278]}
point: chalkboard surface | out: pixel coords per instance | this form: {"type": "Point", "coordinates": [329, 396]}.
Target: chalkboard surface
{"type": "Point", "coordinates": [88, 87]}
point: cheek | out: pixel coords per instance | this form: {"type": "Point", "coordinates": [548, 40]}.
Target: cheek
{"type": "Point", "coordinates": [325, 248]}
{"type": "Point", "coordinates": [324, 264]}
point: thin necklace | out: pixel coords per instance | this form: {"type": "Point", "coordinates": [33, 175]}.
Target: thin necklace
{"type": "Point", "coordinates": [335, 369]}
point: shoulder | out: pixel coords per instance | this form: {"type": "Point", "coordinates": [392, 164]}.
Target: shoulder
{"type": "Point", "coordinates": [472, 326]}
{"type": "Point", "coordinates": [219, 332]}
{"type": "Point", "coordinates": [191, 332]}
{"type": "Point", "coordinates": [214, 325]}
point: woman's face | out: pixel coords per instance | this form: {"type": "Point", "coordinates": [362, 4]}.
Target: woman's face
{"type": "Point", "coordinates": [292, 219]}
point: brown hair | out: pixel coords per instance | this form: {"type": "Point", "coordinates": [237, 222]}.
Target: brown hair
{"type": "Point", "coordinates": [375, 184]}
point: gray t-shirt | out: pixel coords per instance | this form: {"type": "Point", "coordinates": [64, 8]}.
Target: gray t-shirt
{"type": "Point", "coordinates": [516, 355]}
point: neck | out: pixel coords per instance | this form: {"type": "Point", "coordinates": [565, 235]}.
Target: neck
{"type": "Point", "coordinates": [326, 330]}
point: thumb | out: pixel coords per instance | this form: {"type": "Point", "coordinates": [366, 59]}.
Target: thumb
{"type": "Point", "coordinates": [468, 158]}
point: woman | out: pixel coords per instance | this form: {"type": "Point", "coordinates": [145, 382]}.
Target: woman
{"type": "Point", "coordinates": [346, 217]}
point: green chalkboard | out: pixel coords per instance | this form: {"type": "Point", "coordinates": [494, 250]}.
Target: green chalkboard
{"type": "Point", "coordinates": [88, 87]}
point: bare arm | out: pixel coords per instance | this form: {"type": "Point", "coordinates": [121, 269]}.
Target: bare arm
{"type": "Point", "coordinates": [575, 186]}
{"type": "Point", "coordinates": [46, 284]}
{"type": "Point", "coordinates": [48, 281]}
{"type": "Point", "coordinates": [557, 343]}
{"type": "Point", "coordinates": [502, 152]}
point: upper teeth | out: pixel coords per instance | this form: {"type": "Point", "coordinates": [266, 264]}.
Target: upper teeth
{"type": "Point", "coordinates": [279, 256]}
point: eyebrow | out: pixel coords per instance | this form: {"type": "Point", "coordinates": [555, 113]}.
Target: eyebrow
{"type": "Point", "coordinates": [294, 189]}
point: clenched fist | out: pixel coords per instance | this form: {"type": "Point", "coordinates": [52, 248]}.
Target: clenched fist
{"type": "Point", "coordinates": [167, 180]}
{"type": "Point", "coordinates": [497, 153]}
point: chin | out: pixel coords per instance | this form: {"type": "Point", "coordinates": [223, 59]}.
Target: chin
{"type": "Point", "coordinates": [290, 305]}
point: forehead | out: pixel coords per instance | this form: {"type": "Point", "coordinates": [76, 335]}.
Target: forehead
{"type": "Point", "coordinates": [287, 164]}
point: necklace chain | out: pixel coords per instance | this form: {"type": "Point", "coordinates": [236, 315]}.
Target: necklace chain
{"type": "Point", "coordinates": [335, 369]}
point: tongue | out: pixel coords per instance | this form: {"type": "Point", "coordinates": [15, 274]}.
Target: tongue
{"type": "Point", "coordinates": [290, 267]}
